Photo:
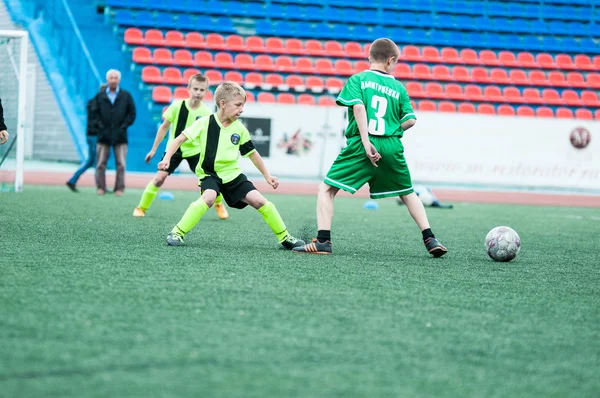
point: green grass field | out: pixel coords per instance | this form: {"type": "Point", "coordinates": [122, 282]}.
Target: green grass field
{"type": "Point", "coordinates": [94, 304]}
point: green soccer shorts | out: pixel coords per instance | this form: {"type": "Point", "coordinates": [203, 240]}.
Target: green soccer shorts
{"type": "Point", "coordinates": [352, 169]}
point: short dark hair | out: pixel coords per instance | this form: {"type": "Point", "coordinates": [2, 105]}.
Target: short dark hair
{"type": "Point", "coordinates": [198, 77]}
{"type": "Point", "coordinates": [382, 49]}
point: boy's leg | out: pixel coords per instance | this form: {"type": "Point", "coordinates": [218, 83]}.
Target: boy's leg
{"type": "Point", "coordinates": [417, 212]}
{"type": "Point", "coordinates": [191, 217]}
{"type": "Point", "coordinates": [150, 193]}
{"type": "Point", "coordinates": [219, 206]}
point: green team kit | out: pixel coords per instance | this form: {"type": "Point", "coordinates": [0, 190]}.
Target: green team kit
{"type": "Point", "coordinates": [388, 106]}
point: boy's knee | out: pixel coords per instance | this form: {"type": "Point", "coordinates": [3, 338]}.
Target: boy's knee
{"type": "Point", "coordinates": [209, 197]}
{"type": "Point", "coordinates": [327, 189]}
{"type": "Point", "coordinates": [159, 180]}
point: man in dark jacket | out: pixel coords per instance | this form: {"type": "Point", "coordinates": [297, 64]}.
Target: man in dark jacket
{"type": "Point", "coordinates": [115, 113]}
{"type": "Point", "coordinates": [3, 132]}
{"type": "Point", "coordinates": [92, 141]}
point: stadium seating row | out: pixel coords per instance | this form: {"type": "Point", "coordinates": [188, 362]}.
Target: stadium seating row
{"type": "Point", "coordinates": [333, 49]}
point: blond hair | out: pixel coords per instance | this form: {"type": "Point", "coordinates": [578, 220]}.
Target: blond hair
{"type": "Point", "coordinates": [198, 77]}
{"type": "Point", "coordinates": [382, 49]}
{"type": "Point", "coordinates": [227, 90]}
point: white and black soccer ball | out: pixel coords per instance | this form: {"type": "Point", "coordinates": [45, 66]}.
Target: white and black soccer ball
{"type": "Point", "coordinates": [502, 244]}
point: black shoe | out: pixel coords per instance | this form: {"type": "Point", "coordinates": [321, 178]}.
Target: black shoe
{"type": "Point", "coordinates": [315, 247]}
{"type": "Point", "coordinates": [435, 248]}
{"type": "Point", "coordinates": [290, 242]}
{"type": "Point", "coordinates": [72, 186]}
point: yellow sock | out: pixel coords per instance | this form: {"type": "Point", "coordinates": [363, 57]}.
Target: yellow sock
{"type": "Point", "coordinates": [273, 220]}
{"type": "Point", "coordinates": [148, 196]}
{"type": "Point", "coordinates": [219, 199]}
{"type": "Point", "coordinates": [191, 217]}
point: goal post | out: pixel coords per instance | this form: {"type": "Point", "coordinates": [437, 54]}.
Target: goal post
{"type": "Point", "coordinates": [13, 92]}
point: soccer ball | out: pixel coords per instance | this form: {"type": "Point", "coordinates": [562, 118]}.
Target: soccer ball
{"type": "Point", "coordinates": [502, 244]}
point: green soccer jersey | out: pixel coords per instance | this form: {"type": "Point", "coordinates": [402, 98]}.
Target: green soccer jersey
{"type": "Point", "coordinates": [220, 147]}
{"type": "Point", "coordinates": [385, 99]}
{"type": "Point", "coordinates": [181, 117]}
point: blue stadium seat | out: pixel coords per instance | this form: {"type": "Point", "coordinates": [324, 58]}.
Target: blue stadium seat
{"type": "Point", "coordinates": [255, 10]}
{"type": "Point", "coordinates": [125, 18]}
{"type": "Point", "coordinates": [352, 15]}
{"type": "Point", "coordinates": [293, 12]}
{"type": "Point", "coordinates": [187, 22]}
{"type": "Point", "coordinates": [308, 28]}
{"type": "Point", "coordinates": [264, 28]}
{"type": "Point", "coordinates": [361, 33]}
{"type": "Point", "coordinates": [538, 27]}
{"type": "Point", "coordinates": [425, 20]}
{"type": "Point", "coordinates": [274, 11]}
{"type": "Point", "coordinates": [224, 25]}
{"type": "Point", "coordinates": [144, 19]}
{"type": "Point", "coordinates": [314, 13]}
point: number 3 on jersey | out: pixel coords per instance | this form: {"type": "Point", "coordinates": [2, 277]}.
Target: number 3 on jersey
{"type": "Point", "coordinates": [377, 126]}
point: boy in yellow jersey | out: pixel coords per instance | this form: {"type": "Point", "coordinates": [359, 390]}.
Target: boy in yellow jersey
{"type": "Point", "coordinates": [379, 112]}
{"type": "Point", "coordinates": [222, 138]}
{"type": "Point", "coordinates": [181, 114]}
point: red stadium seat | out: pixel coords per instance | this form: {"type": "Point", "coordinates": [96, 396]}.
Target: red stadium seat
{"type": "Point", "coordinates": [209, 96]}
{"type": "Point", "coordinates": [415, 89]}
{"type": "Point", "coordinates": [161, 94]}
{"type": "Point", "coordinates": [506, 110]}
{"type": "Point", "coordinates": [273, 80]}
{"type": "Point", "coordinates": [410, 53]}
{"type": "Point", "coordinates": [450, 55]}
{"type": "Point", "coordinates": [538, 78]}
{"type": "Point", "coordinates": [154, 37]}
{"type": "Point", "coordinates": [564, 113]}
{"type": "Point", "coordinates": [518, 76]}
{"type": "Point", "coordinates": [294, 47]}
{"type": "Point", "coordinates": [253, 80]}
{"type": "Point", "coordinates": [557, 79]}
{"type": "Point", "coordinates": [334, 85]}
{"type": "Point", "coordinates": [461, 74]}
{"type": "Point", "coordinates": [284, 64]}
{"type": "Point", "coordinates": [570, 97]}
{"type": "Point", "coordinates": [361, 66]}
{"type": "Point", "coordinates": [224, 61]}
{"type": "Point", "coordinates": [590, 98]}
{"type": "Point", "coordinates": [255, 44]}
{"type": "Point", "coordinates": [489, 58]}
{"type": "Point", "coordinates": [596, 62]}
{"type": "Point", "coordinates": [194, 40]}
{"type": "Point", "coordinates": [551, 96]}
{"type": "Point", "coordinates": [134, 36]}
{"type": "Point", "coordinates": [544, 111]}
{"type": "Point", "coordinates": [499, 76]}
{"type": "Point", "coordinates": [215, 41]}
{"type": "Point", "coordinates": [250, 97]}
{"type": "Point", "coordinates": [507, 58]}
{"type": "Point", "coordinates": [285, 98]}
{"type": "Point", "coordinates": [152, 75]}
{"type": "Point", "coordinates": [204, 59]}
{"type": "Point", "coordinates": [466, 107]}
{"type": "Point", "coordinates": [306, 99]}
{"type": "Point", "coordinates": [441, 72]}
{"type": "Point", "coordinates": [326, 100]}
{"type": "Point", "coordinates": [532, 96]}
{"type": "Point", "coordinates": [343, 67]}
{"type": "Point", "coordinates": [526, 60]}
{"type": "Point", "coordinates": [304, 65]}
{"type": "Point", "coordinates": [162, 56]}
{"type": "Point", "coordinates": [480, 75]}
{"type": "Point", "coordinates": [264, 62]}
{"type": "Point", "coordinates": [314, 84]}
{"type": "Point", "coordinates": [244, 61]}
{"type": "Point", "coordinates": [274, 45]}
{"type": "Point", "coordinates": [183, 58]}
{"type": "Point", "coordinates": [427, 106]}
{"type": "Point", "coordinates": [141, 55]}
{"type": "Point", "coordinates": [525, 110]}
{"type": "Point", "coordinates": [583, 62]}
{"type": "Point", "coordinates": [324, 66]}
{"type": "Point", "coordinates": [593, 80]}
{"type": "Point", "coordinates": [421, 71]}
{"type": "Point", "coordinates": [173, 76]}
{"type": "Point", "coordinates": [402, 71]}
{"type": "Point", "coordinates": [455, 92]}
{"type": "Point", "coordinates": [234, 76]}
{"type": "Point", "coordinates": [295, 82]}
{"type": "Point", "coordinates": [354, 50]}
{"type": "Point", "coordinates": [584, 114]}
{"type": "Point", "coordinates": [473, 93]}
{"type": "Point", "coordinates": [545, 61]}
{"type": "Point", "coordinates": [314, 48]}
{"type": "Point", "coordinates": [575, 79]}
{"type": "Point", "coordinates": [430, 54]}
{"type": "Point", "coordinates": [493, 93]}
{"type": "Point", "coordinates": [564, 61]}
{"type": "Point", "coordinates": [181, 93]}
{"type": "Point", "coordinates": [174, 38]}
{"type": "Point", "coordinates": [512, 94]}
{"type": "Point", "coordinates": [486, 109]}
{"type": "Point", "coordinates": [266, 98]}
{"type": "Point", "coordinates": [214, 76]}
{"type": "Point", "coordinates": [235, 43]}
{"type": "Point", "coordinates": [446, 107]}
{"type": "Point", "coordinates": [469, 57]}
{"type": "Point", "coordinates": [333, 49]}
{"type": "Point", "coordinates": [188, 73]}
{"type": "Point", "coordinates": [434, 90]}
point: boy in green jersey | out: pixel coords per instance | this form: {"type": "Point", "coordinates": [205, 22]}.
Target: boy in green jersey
{"type": "Point", "coordinates": [222, 138]}
{"type": "Point", "coordinates": [178, 116]}
{"type": "Point", "coordinates": [379, 113]}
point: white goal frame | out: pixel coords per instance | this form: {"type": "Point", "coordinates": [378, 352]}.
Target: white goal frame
{"type": "Point", "coordinates": [22, 97]}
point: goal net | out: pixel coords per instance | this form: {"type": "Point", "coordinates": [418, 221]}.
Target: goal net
{"type": "Point", "coordinates": [13, 91]}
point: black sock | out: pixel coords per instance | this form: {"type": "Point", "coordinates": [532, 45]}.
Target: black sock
{"type": "Point", "coordinates": [427, 234]}
{"type": "Point", "coordinates": [323, 235]}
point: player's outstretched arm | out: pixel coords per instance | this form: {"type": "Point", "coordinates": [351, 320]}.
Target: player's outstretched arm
{"type": "Point", "coordinates": [171, 149]}
{"type": "Point", "coordinates": [408, 124]}
{"type": "Point", "coordinates": [160, 135]}
{"type": "Point", "coordinates": [260, 165]}
{"type": "Point", "coordinates": [360, 114]}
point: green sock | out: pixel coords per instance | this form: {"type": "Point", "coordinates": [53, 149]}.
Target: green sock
{"type": "Point", "coordinates": [148, 196]}
{"type": "Point", "coordinates": [191, 217]}
{"type": "Point", "coordinates": [273, 220]}
{"type": "Point", "coordinates": [219, 199]}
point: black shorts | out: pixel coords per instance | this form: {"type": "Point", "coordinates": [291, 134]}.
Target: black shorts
{"type": "Point", "coordinates": [233, 191]}
{"type": "Point", "coordinates": [176, 161]}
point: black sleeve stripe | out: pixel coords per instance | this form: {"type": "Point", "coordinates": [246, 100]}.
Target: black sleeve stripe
{"type": "Point", "coordinates": [246, 147]}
